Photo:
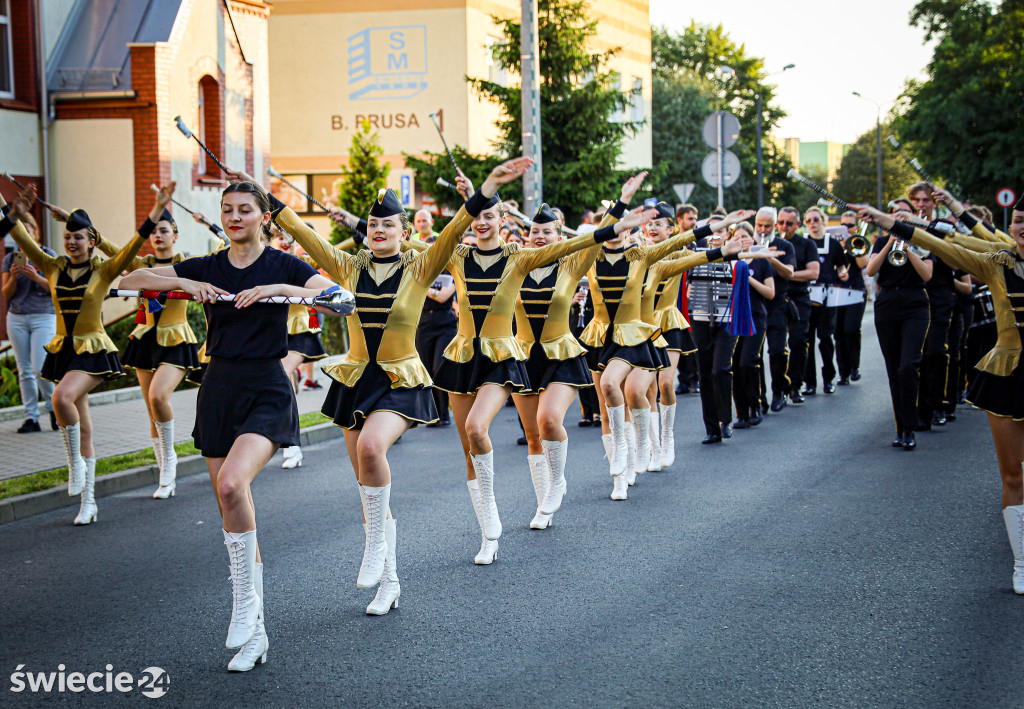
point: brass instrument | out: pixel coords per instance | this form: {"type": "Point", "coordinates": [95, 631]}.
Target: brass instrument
{"type": "Point", "coordinates": [858, 244]}
{"type": "Point", "coordinates": [898, 254]}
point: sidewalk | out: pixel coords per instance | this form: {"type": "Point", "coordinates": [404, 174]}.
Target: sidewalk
{"type": "Point", "coordinates": [119, 427]}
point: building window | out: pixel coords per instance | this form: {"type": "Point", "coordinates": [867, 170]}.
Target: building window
{"type": "Point", "coordinates": [496, 73]}
{"type": "Point", "coordinates": [210, 129]}
{"type": "Point", "coordinates": [6, 53]}
{"type": "Point", "coordinates": [616, 83]}
{"type": "Point", "coordinates": [637, 98]}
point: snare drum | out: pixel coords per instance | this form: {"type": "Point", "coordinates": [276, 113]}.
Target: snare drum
{"type": "Point", "coordinates": [984, 308]}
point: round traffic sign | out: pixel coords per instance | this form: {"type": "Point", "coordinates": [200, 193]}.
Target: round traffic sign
{"type": "Point", "coordinates": [730, 129]}
{"type": "Point", "coordinates": [709, 169]}
{"type": "Point", "coordinates": [1005, 197]}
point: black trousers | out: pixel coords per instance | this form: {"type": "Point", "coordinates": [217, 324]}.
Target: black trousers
{"type": "Point", "coordinates": [822, 328]}
{"type": "Point", "coordinates": [935, 363]}
{"type": "Point", "coordinates": [966, 311]}
{"type": "Point", "coordinates": [746, 368]}
{"type": "Point", "coordinates": [432, 336]}
{"type": "Point", "coordinates": [687, 370]}
{"type": "Point", "coordinates": [799, 321]}
{"type": "Point", "coordinates": [715, 347]}
{"type": "Point", "coordinates": [901, 321]}
{"type": "Point", "coordinates": [848, 322]}
{"type": "Point", "coordinates": [776, 334]}
{"type": "Point", "coordinates": [956, 334]}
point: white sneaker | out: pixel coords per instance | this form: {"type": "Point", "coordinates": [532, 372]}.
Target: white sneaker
{"type": "Point", "coordinates": [292, 457]}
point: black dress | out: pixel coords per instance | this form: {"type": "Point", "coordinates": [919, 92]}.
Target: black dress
{"type": "Point", "coordinates": [245, 389]}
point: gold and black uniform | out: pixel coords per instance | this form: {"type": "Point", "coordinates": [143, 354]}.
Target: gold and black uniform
{"type": "Point", "coordinates": [659, 305]}
{"type": "Point", "coordinates": [487, 282]}
{"type": "Point", "coordinates": [618, 330]}
{"type": "Point", "coordinates": [303, 337]}
{"type": "Point", "coordinates": [382, 370]}
{"type": "Point", "coordinates": [81, 344]}
{"type": "Point", "coordinates": [998, 384]}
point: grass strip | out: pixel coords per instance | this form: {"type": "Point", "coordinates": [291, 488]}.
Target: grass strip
{"type": "Point", "coordinates": [46, 479]}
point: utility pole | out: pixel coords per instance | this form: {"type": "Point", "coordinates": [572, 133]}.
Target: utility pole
{"type": "Point", "coordinates": [533, 180]}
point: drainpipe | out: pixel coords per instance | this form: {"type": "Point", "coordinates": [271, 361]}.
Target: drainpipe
{"type": "Point", "coordinates": [44, 116]}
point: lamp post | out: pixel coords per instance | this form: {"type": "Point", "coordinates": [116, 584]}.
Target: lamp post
{"type": "Point", "coordinates": [727, 71]}
{"type": "Point", "coordinates": [878, 140]}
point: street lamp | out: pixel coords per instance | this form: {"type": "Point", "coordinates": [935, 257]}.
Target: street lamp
{"type": "Point", "coordinates": [726, 72]}
{"type": "Point", "coordinates": [878, 139]}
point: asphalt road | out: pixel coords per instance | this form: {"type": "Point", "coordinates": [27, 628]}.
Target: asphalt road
{"type": "Point", "coordinates": [805, 563]}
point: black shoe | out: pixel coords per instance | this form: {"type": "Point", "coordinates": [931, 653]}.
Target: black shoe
{"type": "Point", "coordinates": [796, 398]}
{"type": "Point", "coordinates": [909, 442]}
{"type": "Point", "coordinates": [30, 426]}
{"type": "Point", "coordinates": [712, 438]}
{"type": "Point", "coordinates": [961, 398]}
{"type": "Point", "coordinates": [727, 431]}
{"type": "Point", "coordinates": [585, 423]}
{"type": "Point", "coordinates": [810, 391]}
{"type": "Point", "coordinates": [53, 422]}
{"type": "Point", "coordinates": [765, 408]}
{"type": "Point", "coordinates": [843, 381]}
{"type": "Point", "coordinates": [898, 441]}
{"type": "Point", "coordinates": [756, 419]}
{"type": "Point", "coordinates": [939, 419]}
{"type": "Point", "coordinates": [696, 388]}
{"type": "Point", "coordinates": [740, 423]}
{"type": "Point", "coordinates": [950, 416]}
{"type": "Point", "coordinates": [855, 375]}
{"type": "Point", "coordinates": [682, 389]}
{"type": "Point", "coordinates": [778, 403]}
{"type": "Point", "coordinates": [521, 441]}
{"type": "Point", "coordinates": [922, 427]}
{"type": "Point", "coordinates": [829, 388]}
{"type": "Point", "coordinates": [435, 424]}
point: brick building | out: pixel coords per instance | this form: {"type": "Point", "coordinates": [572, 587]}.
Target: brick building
{"type": "Point", "coordinates": [99, 129]}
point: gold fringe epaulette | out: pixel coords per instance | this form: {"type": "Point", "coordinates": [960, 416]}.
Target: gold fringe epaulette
{"type": "Point", "coordinates": [511, 249]}
{"type": "Point", "coordinates": [634, 253]}
{"type": "Point", "coordinates": [409, 256]}
{"type": "Point", "coordinates": [363, 259]}
{"type": "Point", "coordinates": [1004, 258]}
{"type": "Point", "coordinates": [463, 250]}
{"type": "Point", "coordinates": [63, 263]}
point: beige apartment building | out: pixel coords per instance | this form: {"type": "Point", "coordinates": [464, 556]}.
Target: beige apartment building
{"type": "Point", "coordinates": [393, 62]}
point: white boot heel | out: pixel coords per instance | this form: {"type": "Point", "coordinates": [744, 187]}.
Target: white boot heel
{"type": "Point", "coordinates": [292, 457]}
{"type": "Point", "coordinates": [87, 512]}
{"type": "Point", "coordinates": [389, 591]}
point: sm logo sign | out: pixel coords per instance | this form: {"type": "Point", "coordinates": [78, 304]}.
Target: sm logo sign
{"type": "Point", "coordinates": [387, 62]}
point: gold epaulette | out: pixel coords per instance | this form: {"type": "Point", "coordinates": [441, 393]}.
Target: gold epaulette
{"type": "Point", "coordinates": [463, 250]}
{"type": "Point", "coordinates": [634, 253]}
{"type": "Point", "coordinates": [63, 263]}
{"type": "Point", "coordinates": [1004, 258]}
{"type": "Point", "coordinates": [511, 249]}
{"type": "Point", "coordinates": [363, 259]}
{"type": "Point", "coordinates": [409, 256]}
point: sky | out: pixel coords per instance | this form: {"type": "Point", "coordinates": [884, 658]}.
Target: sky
{"type": "Point", "coordinates": [838, 48]}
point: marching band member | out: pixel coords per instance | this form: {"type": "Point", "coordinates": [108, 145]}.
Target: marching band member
{"type": "Point", "coordinates": [901, 322]}
{"type": "Point", "coordinates": [831, 271]}
{"type": "Point", "coordinates": [484, 363]}
{"type": "Point", "coordinates": [246, 406]}
{"type": "Point", "coordinates": [162, 350]}
{"type": "Point", "coordinates": [849, 315]}
{"type": "Point", "coordinates": [805, 270]}
{"type": "Point", "coordinates": [746, 361]}
{"type": "Point", "coordinates": [998, 387]}
{"type": "Point", "coordinates": [555, 365]}
{"type": "Point", "coordinates": [81, 355]}
{"type": "Point", "coordinates": [777, 320]}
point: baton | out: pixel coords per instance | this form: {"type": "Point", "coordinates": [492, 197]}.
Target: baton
{"type": "Point", "coordinates": [189, 134]}
{"type": "Point", "coordinates": [42, 202]}
{"type": "Point", "coordinates": [340, 302]}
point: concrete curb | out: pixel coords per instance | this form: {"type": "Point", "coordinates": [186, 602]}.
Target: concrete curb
{"type": "Point", "coordinates": [34, 503]}
{"type": "Point", "coordinates": [15, 413]}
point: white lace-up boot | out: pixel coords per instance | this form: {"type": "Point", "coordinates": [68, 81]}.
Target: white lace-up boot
{"type": "Point", "coordinates": [72, 436]}
{"type": "Point", "coordinates": [168, 459]}
{"type": "Point", "coordinates": [483, 464]}
{"type": "Point", "coordinates": [488, 547]}
{"type": "Point", "coordinates": [654, 434]}
{"type": "Point", "coordinates": [245, 603]}
{"type": "Point", "coordinates": [555, 453]}
{"type": "Point", "coordinates": [389, 590]}
{"type": "Point", "coordinates": [630, 454]}
{"type": "Point", "coordinates": [87, 510]}
{"type": "Point", "coordinates": [1014, 518]}
{"type": "Point", "coordinates": [292, 457]}
{"type": "Point", "coordinates": [541, 477]}
{"type": "Point", "coordinates": [157, 453]}
{"type": "Point", "coordinates": [642, 433]}
{"type": "Point", "coordinates": [619, 450]}
{"type": "Point", "coordinates": [668, 436]}
{"type": "Point", "coordinates": [253, 652]}
{"type": "Point", "coordinates": [375, 510]}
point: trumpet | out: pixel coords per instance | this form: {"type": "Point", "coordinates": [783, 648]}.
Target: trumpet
{"type": "Point", "coordinates": [898, 254]}
{"type": "Point", "coordinates": [858, 245]}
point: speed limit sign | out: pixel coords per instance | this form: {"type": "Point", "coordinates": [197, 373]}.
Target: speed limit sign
{"type": "Point", "coordinates": [1005, 197]}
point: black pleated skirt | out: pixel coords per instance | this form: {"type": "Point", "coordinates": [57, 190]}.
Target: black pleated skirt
{"type": "Point", "coordinates": [468, 377]}
{"type": "Point", "coordinates": [680, 341]}
{"type": "Point", "coordinates": [349, 407]}
{"type": "Point", "coordinates": [643, 356]}
{"type": "Point", "coordinates": [99, 364]}
{"type": "Point", "coordinates": [663, 361]}
{"type": "Point", "coordinates": [195, 376]}
{"type": "Point", "coordinates": [308, 345]}
{"type": "Point", "coordinates": [244, 396]}
{"type": "Point", "coordinates": [543, 371]}
{"type": "Point", "coordinates": [1002, 396]}
{"type": "Point", "coordinates": [145, 353]}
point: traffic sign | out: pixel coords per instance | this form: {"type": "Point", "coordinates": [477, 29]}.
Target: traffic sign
{"type": "Point", "coordinates": [730, 129]}
{"type": "Point", "coordinates": [684, 191]}
{"type": "Point", "coordinates": [1005, 197]}
{"type": "Point", "coordinates": [709, 170]}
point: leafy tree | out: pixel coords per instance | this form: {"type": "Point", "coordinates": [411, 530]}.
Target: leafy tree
{"type": "Point", "coordinates": [476, 167]}
{"type": "Point", "coordinates": [687, 87]}
{"type": "Point", "coordinates": [362, 178]}
{"type": "Point", "coordinates": [857, 177]}
{"type": "Point", "coordinates": [578, 97]}
{"type": "Point", "coordinates": [963, 121]}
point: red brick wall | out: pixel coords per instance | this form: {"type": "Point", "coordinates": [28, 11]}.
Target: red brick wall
{"type": "Point", "coordinates": [23, 41]}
